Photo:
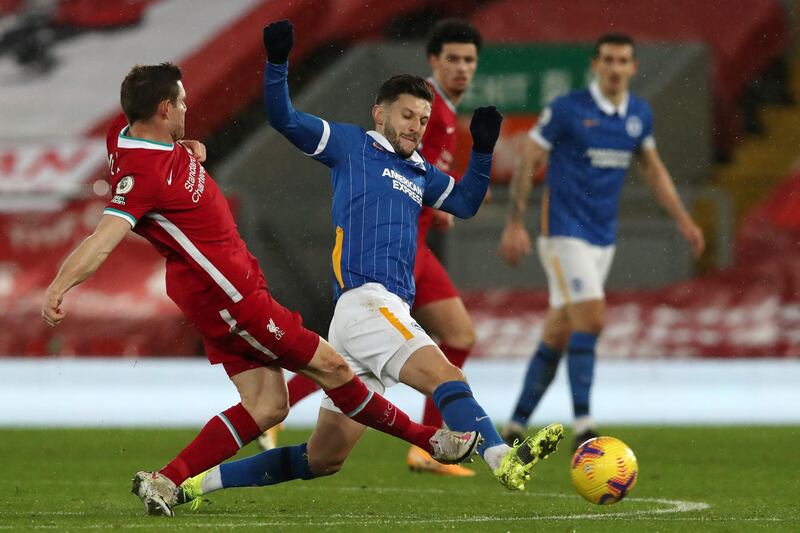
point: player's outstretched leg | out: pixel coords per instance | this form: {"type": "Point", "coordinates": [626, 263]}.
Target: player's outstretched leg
{"type": "Point", "coordinates": [329, 446]}
{"type": "Point", "coordinates": [262, 405]}
{"type": "Point", "coordinates": [349, 394]}
{"type": "Point", "coordinates": [511, 465]}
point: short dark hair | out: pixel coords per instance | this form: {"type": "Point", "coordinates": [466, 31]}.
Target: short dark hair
{"type": "Point", "coordinates": [613, 38]}
{"type": "Point", "coordinates": [145, 87]}
{"type": "Point", "coordinates": [452, 30]}
{"type": "Point", "coordinates": [403, 84]}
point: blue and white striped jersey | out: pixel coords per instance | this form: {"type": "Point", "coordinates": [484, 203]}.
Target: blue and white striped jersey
{"type": "Point", "coordinates": [591, 144]}
{"type": "Point", "coordinates": [377, 195]}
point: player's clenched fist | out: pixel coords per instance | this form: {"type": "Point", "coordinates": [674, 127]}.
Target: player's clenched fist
{"type": "Point", "coordinates": [485, 128]}
{"type": "Point", "coordinates": [278, 41]}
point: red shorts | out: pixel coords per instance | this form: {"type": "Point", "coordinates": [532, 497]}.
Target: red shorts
{"type": "Point", "coordinates": [256, 331]}
{"type": "Point", "coordinates": [433, 283]}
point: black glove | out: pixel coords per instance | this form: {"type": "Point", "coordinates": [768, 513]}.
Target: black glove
{"type": "Point", "coordinates": [485, 129]}
{"type": "Point", "coordinates": [278, 41]}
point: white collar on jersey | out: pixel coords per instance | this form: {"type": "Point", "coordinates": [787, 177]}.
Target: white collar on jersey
{"type": "Point", "coordinates": [440, 93]}
{"type": "Point", "coordinates": [605, 105]}
{"type": "Point", "coordinates": [134, 142]}
{"type": "Point", "coordinates": [386, 145]}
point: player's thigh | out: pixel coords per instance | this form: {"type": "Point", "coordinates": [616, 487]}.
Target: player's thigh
{"type": "Point", "coordinates": [263, 393]}
{"type": "Point", "coordinates": [448, 320]}
{"type": "Point", "coordinates": [572, 270]}
{"type": "Point", "coordinates": [260, 327]}
{"type": "Point", "coordinates": [375, 332]}
{"type": "Point", "coordinates": [333, 439]}
{"type": "Point", "coordinates": [427, 368]}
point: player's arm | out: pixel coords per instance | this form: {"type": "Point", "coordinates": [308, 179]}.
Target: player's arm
{"type": "Point", "coordinates": [515, 240]}
{"type": "Point", "coordinates": [312, 135]}
{"type": "Point", "coordinates": [658, 178]}
{"type": "Point", "coordinates": [82, 263]}
{"type": "Point", "coordinates": [463, 198]}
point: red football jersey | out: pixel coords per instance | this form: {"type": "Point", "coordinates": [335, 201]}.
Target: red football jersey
{"type": "Point", "coordinates": [168, 198]}
{"type": "Point", "coordinates": [438, 144]}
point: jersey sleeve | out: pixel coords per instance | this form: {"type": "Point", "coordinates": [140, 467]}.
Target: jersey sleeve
{"type": "Point", "coordinates": [648, 141]}
{"type": "Point", "coordinates": [134, 194]}
{"type": "Point", "coordinates": [326, 141]}
{"type": "Point", "coordinates": [460, 198]}
{"type": "Point", "coordinates": [551, 125]}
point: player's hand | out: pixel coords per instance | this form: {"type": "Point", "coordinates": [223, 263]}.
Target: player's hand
{"type": "Point", "coordinates": [694, 236]}
{"type": "Point", "coordinates": [485, 129]}
{"type": "Point", "coordinates": [278, 41]}
{"type": "Point", "coordinates": [51, 309]}
{"type": "Point", "coordinates": [197, 149]}
{"type": "Point", "coordinates": [442, 220]}
{"type": "Point", "coordinates": [514, 243]}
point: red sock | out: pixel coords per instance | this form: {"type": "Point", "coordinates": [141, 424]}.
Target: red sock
{"type": "Point", "coordinates": [220, 439]}
{"type": "Point", "coordinates": [431, 415]}
{"type": "Point", "coordinates": [300, 387]}
{"type": "Point", "coordinates": [373, 410]}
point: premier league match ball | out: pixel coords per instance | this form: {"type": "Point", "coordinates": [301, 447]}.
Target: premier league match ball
{"type": "Point", "coordinates": [604, 470]}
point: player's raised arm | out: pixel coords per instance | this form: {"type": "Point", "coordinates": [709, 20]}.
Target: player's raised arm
{"type": "Point", "coordinates": [465, 197]}
{"type": "Point", "coordinates": [312, 135]}
{"type": "Point", "coordinates": [82, 263]}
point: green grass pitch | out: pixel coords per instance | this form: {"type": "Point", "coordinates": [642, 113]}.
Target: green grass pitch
{"type": "Point", "coordinates": [691, 479]}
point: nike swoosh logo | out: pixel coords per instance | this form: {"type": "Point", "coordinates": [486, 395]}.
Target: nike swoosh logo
{"type": "Point", "coordinates": [478, 419]}
{"type": "Point", "coordinates": [450, 130]}
{"type": "Point", "coordinates": [169, 180]}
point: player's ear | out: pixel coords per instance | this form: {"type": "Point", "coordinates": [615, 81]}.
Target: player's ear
{"type": "Point", "coordinates": [433, 61]}
{"type": "Point", "coordinates": [163, 108]}
{"type": "Point", "coordinates": [377, 114]}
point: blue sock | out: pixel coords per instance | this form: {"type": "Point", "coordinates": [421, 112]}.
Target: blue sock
{"type": "Point", "coordinates": [580, 364]}
{"type": "Point", "coordinates": [541, 370]}
{"type": "Point", "coordinates": [461, 412]}
{"type": "Point", "coordinates": [267, 468]}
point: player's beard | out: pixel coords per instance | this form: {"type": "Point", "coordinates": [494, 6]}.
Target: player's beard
{"type": "Point", "coordinates": [394, 139]}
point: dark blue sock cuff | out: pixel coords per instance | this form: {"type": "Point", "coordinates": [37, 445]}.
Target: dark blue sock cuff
{"type": "Point", "coordinates": [547, 353]}
{"type": "Point", "coordinates": [294, 461]}
{"type": "Point", "coordinates": [450, 391]}
{"type": "Point", "coordinates": [582, 342]}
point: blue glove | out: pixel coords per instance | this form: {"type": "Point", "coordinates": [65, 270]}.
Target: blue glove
{"type": "Point", "coordinates": [485, 129]}
{"type": "Point", "coordinates": [278, 41]}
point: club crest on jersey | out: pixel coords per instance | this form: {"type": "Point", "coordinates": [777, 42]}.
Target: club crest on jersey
{"type": "Point", "coordinates": [275, 330]}
{"type": "Point", "coordinates": [125, 185]}
{"type": "Point", "coordinates": [633, 126]}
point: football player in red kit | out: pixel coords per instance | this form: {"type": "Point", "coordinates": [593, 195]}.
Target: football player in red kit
{"type": "Point", "coordinates": [452, 50]}
{"type": "Point", "coordinates": [163, 192]}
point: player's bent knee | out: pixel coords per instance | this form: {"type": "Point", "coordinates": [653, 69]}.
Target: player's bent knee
{"type": "Point", "coordinates": [325, 467]}
{"type": "Point", "coordinates": [266, 412]}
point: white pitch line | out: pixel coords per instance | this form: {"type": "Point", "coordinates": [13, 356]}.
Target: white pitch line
{"type": "Point", "coordinates": [675, 506]}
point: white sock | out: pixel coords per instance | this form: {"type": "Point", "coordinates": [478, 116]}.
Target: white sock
{"type": "Point", "coordinates": [582, 424]}
{"type": "Point", "coordinates": [494, 455]}
{"type": "Point", "coordinates": [212, 481]}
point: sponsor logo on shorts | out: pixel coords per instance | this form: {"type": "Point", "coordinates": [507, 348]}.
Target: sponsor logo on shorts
{"type": "Point", "coordinates": [417, 326]}
{"type": "Point", "coordinates": [275, 330]}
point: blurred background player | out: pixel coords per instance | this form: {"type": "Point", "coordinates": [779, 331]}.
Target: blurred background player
{"type": "Point", "coordinates": [380, 183]}
{"type": "Point", "coordinates": [163, 192]}
{"type": "Point", "coordinates": [453, 47]}
{"type": "Point", "coordinates": [587, 139]}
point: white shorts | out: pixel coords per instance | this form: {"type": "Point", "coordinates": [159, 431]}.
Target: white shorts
{"type": "Point", "coordinates": [373, 330]}
{"type": "Point", "coordinates": [576, 270]}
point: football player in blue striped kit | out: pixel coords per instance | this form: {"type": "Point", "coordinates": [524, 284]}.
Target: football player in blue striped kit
{"type": "Point", "coordinates": [587, 139]}
{"type": "Point", "coordinates": [380, 184]}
